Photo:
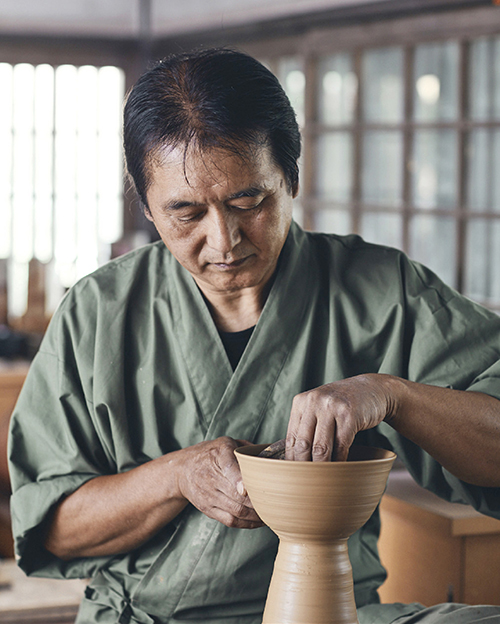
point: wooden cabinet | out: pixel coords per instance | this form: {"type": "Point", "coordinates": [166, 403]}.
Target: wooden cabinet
{"type": "Point", "coordinates": [37, 600]}
{"type": "Point", "coordinates": [12, 376]}
{"type": "Point", "coordinates": [436, 551]}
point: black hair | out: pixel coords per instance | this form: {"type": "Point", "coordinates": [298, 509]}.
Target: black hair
{"type": "Point", "coordinates": [216, 98]}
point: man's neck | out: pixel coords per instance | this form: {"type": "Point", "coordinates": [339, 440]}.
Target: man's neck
{"type": "Point", "coordinates": [239, 310]}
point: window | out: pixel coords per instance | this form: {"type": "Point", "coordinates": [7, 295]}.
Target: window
{"type": "Point", "coordinates": [61, 179]}
{"type": "Point", "coordinates": [290, 71]}
{"type": "Point", "coordinates": [402, 145]}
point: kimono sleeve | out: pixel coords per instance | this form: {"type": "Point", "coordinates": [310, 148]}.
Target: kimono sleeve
{"type": "Point", "coordinates": [454, 343]}
{"type": "Point", "coordinates": [53, 450]}
{"type": "Point", "coordinates": [451, 341]}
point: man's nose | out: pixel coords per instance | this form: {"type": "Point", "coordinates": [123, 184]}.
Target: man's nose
{"type": "Point", "coordinates": [223, 231]}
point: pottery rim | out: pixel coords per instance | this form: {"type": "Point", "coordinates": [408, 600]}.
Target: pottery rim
{"type": "Point", "coordinates": [381, 455]}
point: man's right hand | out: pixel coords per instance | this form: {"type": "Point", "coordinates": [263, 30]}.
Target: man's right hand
{"type": "Point", "coordinates": [209, 478]}
{"type": "Point", "coordinates": [113, 514]}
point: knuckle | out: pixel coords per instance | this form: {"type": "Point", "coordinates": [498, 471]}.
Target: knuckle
{"type": "Point", "coordinates": [301, 399]}
{"type": "Point", "coordinates": [341, 407]}
{"type": "Point", "coordinates": [296, 403]}
{"type": "Point", "coordinates": [232, 522]}
{"type": "Point", "coordinates": [302, 445]}
{"type": "Point", "coordinates": [225, 443]}
{"type": "Point", "coordinates": [321, 450]}
{"type": "Point", "coordinates": [238, 510]}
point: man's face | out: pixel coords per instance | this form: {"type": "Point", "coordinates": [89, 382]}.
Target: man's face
{"type": "Point", "coordinates": [223, 217]}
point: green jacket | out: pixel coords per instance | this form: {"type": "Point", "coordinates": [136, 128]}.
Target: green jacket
{"type": "Point", "coordinates": [132, 367]}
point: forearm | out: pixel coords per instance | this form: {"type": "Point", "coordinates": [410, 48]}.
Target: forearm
{"type": "Point", "coordinates": [461, 430]}
{"type": "Point", "coordinates": [114, 514]}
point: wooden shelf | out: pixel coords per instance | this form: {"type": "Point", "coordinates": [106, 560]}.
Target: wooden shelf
{"type": "Point", "coordinates": [30, 600]}
{"type": "Point", "coordinates": [436, 551]}
{"type": "Point", "coordinates": [12, 376]}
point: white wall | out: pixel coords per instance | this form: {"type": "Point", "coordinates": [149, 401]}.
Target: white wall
{"type": "Point", "coordinates": [170, 16]}
{"type": "Point", "coordinates": [120, 18]}
{"type": "Point", "coordinates": [115, 18]}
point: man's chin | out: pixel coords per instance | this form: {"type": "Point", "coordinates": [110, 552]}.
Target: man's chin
{"type": "Point", "coordinates": [228, 281]}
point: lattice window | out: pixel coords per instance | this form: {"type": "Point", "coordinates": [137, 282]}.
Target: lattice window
{"type": "Point", "coordinates": [402, 145]}
{"type": "Point", "coordinates": [61, 180]}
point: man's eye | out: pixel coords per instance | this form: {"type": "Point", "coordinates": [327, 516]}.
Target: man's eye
{"type": "Point", "coordinates": [246, 205]}
{"type": "Point", "coordinates": [189, 217]}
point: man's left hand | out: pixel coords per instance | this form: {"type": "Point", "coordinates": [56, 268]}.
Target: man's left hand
{"type": "Point", "coordinates": [325, 420]}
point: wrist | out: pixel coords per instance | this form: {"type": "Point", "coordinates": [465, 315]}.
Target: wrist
{"type": "Point", "coordinates": [170, 473]}
{"type": "Point", "coordinates": [395, 390]}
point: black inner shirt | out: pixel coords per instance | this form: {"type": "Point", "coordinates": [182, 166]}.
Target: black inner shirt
{"type": "Point", "coordinates": [235, 343]}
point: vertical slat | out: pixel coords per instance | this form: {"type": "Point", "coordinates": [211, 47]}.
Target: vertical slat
{"type": "Point", "coordinates": [357, 146]}
{"type": "Point", "coordinates": [309, 141]}
{"type": "Point", "coordinates": [43, 164]}
{"type": "Point", "coordinates": [492, 168]}
{"type": "Point", "coordinates": [461, 167]}
{"type": "Point", "coordinates": [6, 147]}
{"type": "Point", "coordinates": [52, 284]}
{"type": "Point", "coordinates": [110, 171]}
{"type": "Point", "coordinates": [53, 180]}
{"type": "Point", "coordinates": [408, 136]}
{"type": "Point", "coordinates": [22, 201]}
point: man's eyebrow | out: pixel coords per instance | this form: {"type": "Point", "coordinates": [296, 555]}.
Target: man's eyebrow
{"type": "Point", "coordinates": [178, 204]}
{"type": "Point", "coordinates": [252, 191]}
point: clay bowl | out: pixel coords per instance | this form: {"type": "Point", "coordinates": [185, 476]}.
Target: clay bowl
{"type": "Point", "coordinates": [313, 507]}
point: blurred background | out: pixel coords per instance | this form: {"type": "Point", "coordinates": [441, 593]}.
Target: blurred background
{"type": "Point", "coordinates": [398, 101]}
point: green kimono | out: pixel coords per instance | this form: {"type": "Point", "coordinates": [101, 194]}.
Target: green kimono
{"type": "Point", "coordinates": [132, 367]}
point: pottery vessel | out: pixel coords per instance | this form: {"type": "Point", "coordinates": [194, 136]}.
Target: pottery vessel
{"type": "Point", "coordinates": [313, 507]}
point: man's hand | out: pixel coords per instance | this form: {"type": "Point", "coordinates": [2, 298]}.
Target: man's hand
{"type": "Point", "coordinates": [113, 514]}
{"type": "Point", "coordinates": [324, 421]}
{"type": "Point", "coordinates": [460, 429]}
{"type": "Point", "coordinates": [210, 479]}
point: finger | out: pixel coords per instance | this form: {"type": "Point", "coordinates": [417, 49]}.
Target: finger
{"type": "Point", "coordinates": [242, 442]}
{"type": "Point", "coordinates": [324, 439]}
{"type": "Point", "coordinates": [242, 514]}
{"type": "Point", "coordinates": [344, 438]}
{"type": "Point", "coordinates": [231, 514]}
{"type": "Point", "coordinates": [231, 485]}
{"type": "Point", "coordinates": [240, 486]}
{"type": "Point", "coordinates": [275, 450]}
{"type": "Point", "coordinates": [218, 504]}
{"type": "Point", "coordinates": [230, 470]}
{"type": "Point", "coordinates": [232, 522]}
{"type": "Point", "coordinates": [302, 440]}
{"type": "Point", "coordinates": [297, 410]}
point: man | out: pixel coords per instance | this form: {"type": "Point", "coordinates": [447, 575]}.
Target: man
{"type": "Point", "coordinates": [237, 326]}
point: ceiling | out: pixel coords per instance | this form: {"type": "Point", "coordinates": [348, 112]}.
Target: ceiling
{"type": "Point", "coordinates": [122, 18]}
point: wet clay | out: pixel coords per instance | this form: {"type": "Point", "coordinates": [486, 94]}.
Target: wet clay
{"type": "Point", "coordinates": [276, 450]}
{"type": "Point", "coordinates": [313, 507]}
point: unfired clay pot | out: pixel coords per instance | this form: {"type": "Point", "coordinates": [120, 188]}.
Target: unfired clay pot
{"type": "Point", "coordinates": [313, 507]}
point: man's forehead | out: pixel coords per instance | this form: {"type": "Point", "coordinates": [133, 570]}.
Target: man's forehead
{"type": "Point", "coordinates": [190, 169]}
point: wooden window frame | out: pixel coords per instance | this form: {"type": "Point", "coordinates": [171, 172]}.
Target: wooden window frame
{"type": "Point", "coordinates": [462, 26]}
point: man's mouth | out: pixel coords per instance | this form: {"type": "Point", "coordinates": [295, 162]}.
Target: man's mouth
{"type": "Point", "coordinates": [233, 264]}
